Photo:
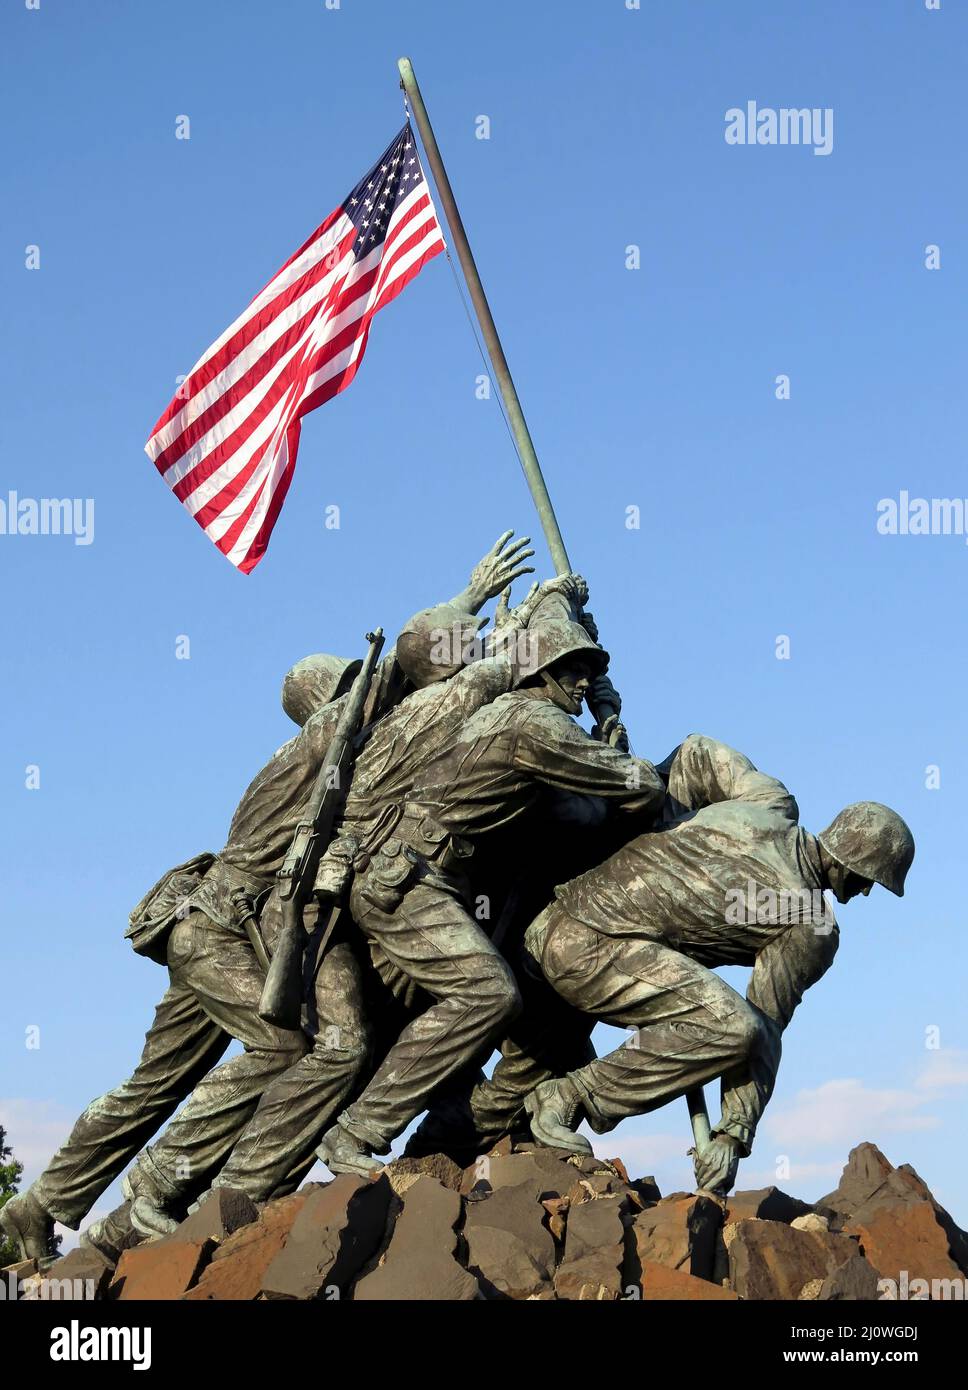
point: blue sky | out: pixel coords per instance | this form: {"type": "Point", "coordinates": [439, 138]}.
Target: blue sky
{"type": "Point", "coordinates": [652, 388]}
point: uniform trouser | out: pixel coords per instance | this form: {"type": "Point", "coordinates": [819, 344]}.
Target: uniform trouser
{"type": "Point", "coordinates": [182, 1044]}
{"type": "Point", "coordinates": [548, 1039]}
{"type": "Point", "coordinates": [347, 1012]}
{"type": "Point", "coordinates": [219, 967]}
{"type": "Point", "coordinates": [690, 1026]}
{"type": "Point", "coordinates": [434, 942]}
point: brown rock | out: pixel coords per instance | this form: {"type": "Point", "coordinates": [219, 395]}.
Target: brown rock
{"type": "Point", "coordinates": [593, 1226]}
{"type": "Point", "coordinates": [679, 1232]}
{"type": "Point", "coordinates": [770, 1260]}
{"type": "Point", "coordinates": [660, 1283]}
{"type": "Point", "coordinates": [902, 1238]}
{"type": "Point", "coordinates": [648, 1190]}
{"type": "Point", "coordinates": [865, 1173]}
{"type": "Point", "coordinates": [767, 1203]}
{"type": "Point", "coordinates": [594, 1278]}
{"type": "Point", "coordinates": [870, 1184]}
{"type": "Point", "coordinates": [222, 1211]}
{"type": "Point", "coordinates": [402, 1173]}
{"type": "Point", "coordinates": [621, 1169]}
{"type": "Point", "coordinates": [546, 1174]}
{"type": "Point", "coordinates": [335, 1233]}
{"type": "Point", "coordinates": [557, 1209]}
{"type": "Point", "coordinates": [504, 1146]}
{"type": "Point", "coordinates": [852, 1281]}
{"type": "Point", "coordinates": [83, 1273]}
{"type": "Point", "coordinates": [594, 1260]}
{"type": "Point", "coordinates": [239, 1264]}
{"type": "Point", "coordinates": [508, 1245]}
{"type": "Point", "coordinates": [165, 1269]}
{"type": "Point", "coordinates": [589, 1186]}
{"type": "Point", "coordinates": [420, 1263]}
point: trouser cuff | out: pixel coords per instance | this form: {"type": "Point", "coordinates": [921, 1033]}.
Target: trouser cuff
{"type": "Point", "coordinates": [149, 1179]}
{"type": "Point", "coordinates": [366, 1133]}
{"type": "Point", "coordinates": [70, 1216]}
{"type": "Point", "coordinates": [599, 1120]}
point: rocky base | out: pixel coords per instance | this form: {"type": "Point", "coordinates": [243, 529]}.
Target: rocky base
{"type": "Point", "coordinates": [524, 1223]}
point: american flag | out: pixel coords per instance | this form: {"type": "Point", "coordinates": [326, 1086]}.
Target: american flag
{"type": "Point", "coordinates": [226, 446]}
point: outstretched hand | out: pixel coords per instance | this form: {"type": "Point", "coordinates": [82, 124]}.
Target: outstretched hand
{"type": "Point", "coordinates": [499, 568]}
{"type": "Point", "coordinates": [506, 616]}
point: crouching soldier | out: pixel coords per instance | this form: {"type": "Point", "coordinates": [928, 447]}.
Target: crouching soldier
{"type": "Point", "coordinates": [634, 942]}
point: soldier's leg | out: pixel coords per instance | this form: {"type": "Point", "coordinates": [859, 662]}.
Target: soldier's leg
{"type": "Point", "coordinates": [276, 1146]}
{"type": "Point", "coordinates": [689, 1026]}
{"type": "Point", "coordinates": [181, 1045]}
{"type": "Point", "coordinates": [548, 1038]}
{"type": "Point", "coordinates": [435, 943]}
{"type": "Point", "coordinates": [389, 1001]}
{"type": "Point", "coordinates": [220, 967]}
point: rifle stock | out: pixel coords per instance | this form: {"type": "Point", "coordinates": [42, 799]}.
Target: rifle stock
{"type": "Point", "coordinates": [281, 1001]}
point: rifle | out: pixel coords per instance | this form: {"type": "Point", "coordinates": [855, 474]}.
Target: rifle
{"type": "Point", "coordinates": [281, 1001]}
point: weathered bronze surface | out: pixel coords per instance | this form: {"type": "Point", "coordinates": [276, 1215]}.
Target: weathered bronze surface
{"type": "Point", "coordinates": [491, 876]}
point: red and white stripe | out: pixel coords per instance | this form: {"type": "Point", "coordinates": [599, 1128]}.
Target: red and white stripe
{"type": "Point", "coordinates": [226, 445]}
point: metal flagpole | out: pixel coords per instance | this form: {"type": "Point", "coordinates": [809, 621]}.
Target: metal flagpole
{"type": "Point", "coordinates": [512, 406]}
{"type": "Point", "coordinates": [499, 363]}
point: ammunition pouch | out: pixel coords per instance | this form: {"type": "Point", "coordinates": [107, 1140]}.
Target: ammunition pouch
{"type": "Point", "coordinates": [169, 900]}
{"type": "Point", "coordinates": [335, 871]}
{"type": "Point", "coordinates": [420, 849]}
{"type": "Point", "coordinates": [391, 871]}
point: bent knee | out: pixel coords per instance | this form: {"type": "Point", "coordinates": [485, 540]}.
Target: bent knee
{"type": "Point", "coordinates": [748, 1030]}
{"type": "Point", "coordinates": [494, 991]}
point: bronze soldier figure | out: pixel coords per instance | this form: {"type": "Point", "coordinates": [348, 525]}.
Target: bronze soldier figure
{"type": "Point", "coordinates": [193, 922]}
{"type": "Point", "coordinates": [447, 769]}
{"type": "Point", "coordinates": [353, 1004]}
{"type": "Point", "coordinates": [735, 882]}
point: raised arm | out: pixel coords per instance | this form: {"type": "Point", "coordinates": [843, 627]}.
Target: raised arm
{"type": "Point", "coordinates": [494, 572]}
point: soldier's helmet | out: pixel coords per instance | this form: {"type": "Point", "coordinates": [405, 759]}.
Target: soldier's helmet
{"type": "Point", "coordinates": [437, 643]}
{"type": "Point", "coordinates": [873, 841]}
{"type": "Point", "coordinates": [314, 682]}
{"type": "Point", "coordinates": [537, 648]}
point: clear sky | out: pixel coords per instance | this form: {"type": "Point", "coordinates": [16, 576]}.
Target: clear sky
{"type": "Point", "coordinates": [653, 388]}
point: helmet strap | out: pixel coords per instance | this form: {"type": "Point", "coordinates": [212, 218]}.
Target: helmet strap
{"type": "Point", "coordinates": [559, 696]}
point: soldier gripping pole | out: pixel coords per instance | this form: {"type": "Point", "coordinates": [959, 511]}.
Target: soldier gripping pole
{"type": "Point", "coordinates": [512, 406]}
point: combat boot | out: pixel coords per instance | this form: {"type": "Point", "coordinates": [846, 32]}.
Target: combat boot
{"type": "Point", "coordinates": [342, 1152]}
{"type": "Point", "coordinates": [554, 1108]}
{"type": "Point", "coordinates": [151, 1200]}
{"type": "Point", "coordinates": [29, 1225]}
{"type": "Point", "coordinates": [112, 1233]}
